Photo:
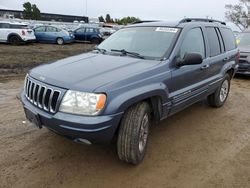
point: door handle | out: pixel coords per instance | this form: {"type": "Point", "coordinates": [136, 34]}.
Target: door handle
{"type": "Point", "coordinates": [226, 59]}
{"type": "Point", "coordinates": [205, 67]}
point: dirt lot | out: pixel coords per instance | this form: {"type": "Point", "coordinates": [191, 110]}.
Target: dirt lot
{"type": "Point", "coordinates": [199, 147]}
{"type": "Point", "coordinates": [18, 59]}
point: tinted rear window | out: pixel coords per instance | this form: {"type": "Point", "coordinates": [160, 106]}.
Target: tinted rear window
{"type": "Point", "coordinates": [213, 41]}
{"type": "Point", "coordinates": [14, 26]}
{"type": "Point", "coordinates": [4, 25]}
{"type": "Point", "coordinates": [229, 39]}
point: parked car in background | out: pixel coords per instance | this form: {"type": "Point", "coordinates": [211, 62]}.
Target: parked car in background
{"type": "Point", "coordinates": [89, 34]}
{"type": "Point", "coordinates": [52, 34]}
{"type": "Point", "coordinates": [107, 31]}
{"type": "Point", "coordinates": [141, 74]}
{"type": "Point", "coordinates": [244, 47]}
{"type": "Point", "coordinates": [15, 33]}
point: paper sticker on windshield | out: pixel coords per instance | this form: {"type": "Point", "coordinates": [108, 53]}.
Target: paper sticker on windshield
{"type": "Point", "coordinates": [167, 29]}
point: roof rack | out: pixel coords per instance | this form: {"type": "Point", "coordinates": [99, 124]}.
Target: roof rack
{"type": "Point", "coordinates": [145, 21]}
{"type": "Point", "coordinates": [186, 20]}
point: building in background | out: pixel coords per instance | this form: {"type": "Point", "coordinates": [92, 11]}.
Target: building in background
{"type": "Point", "coordinates": [5, 13]}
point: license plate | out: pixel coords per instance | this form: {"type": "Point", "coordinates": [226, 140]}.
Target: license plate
{"type": "Point", "coordinates": [33, 118]}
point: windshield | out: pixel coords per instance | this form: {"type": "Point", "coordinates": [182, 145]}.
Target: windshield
{"type": "Point", "coordinates": [151, 42]}
{"type": "Point", "coordinates": [244, 39]}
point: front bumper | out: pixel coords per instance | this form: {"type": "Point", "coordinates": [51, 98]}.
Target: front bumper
{"type": "Point", "coordinates": [97, 130]}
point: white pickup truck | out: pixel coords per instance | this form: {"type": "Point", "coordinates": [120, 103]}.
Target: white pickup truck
{"type": "Point", "coordinates": [15, 33]}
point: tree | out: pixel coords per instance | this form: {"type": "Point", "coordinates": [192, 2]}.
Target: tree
{"type": "Point", "coordinates": [101, 19]}
{"type": "Point", "coordinates": [127, 20]}
{"type": "Point", "coordinates": [27, 12]}
{"type": "Point", "coordinates": [31, 11]}
{"type": "Point", "coordinates": [239, 14]}
{"type": "Point", "coordinates": [36, 13]}
{"type": "Point", "coordinates": [108, 18]}
{"type": "Point", "coordinates": [123, 21]}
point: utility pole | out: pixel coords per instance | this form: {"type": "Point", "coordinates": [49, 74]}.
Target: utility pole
{"type": "Point", "coordinates": [86, 7]}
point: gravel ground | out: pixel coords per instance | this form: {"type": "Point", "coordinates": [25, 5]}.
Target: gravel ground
{"type": "Point", "coordinates": [199, 147]}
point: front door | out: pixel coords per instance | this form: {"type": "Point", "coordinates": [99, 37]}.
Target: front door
{"type": "Point", "coordinates": [188, 82]}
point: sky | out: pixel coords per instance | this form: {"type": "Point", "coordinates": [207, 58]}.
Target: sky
{"type": "Point", "coordinates": [144, 9]}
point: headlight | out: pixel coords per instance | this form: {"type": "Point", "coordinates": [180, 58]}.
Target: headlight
{"type": "Point", "coordinates": [81, 103]}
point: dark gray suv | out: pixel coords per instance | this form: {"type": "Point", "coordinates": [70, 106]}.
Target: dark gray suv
{"type": "Point", "coordinates": [144, 72]}
{"type": "Point", "coordinates": [244, 47]}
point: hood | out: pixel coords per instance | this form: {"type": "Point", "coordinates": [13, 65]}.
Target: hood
{"type": "Point", "coordinates": [86, 72]}
{"type": "Point", "coordinates": [244, 49]}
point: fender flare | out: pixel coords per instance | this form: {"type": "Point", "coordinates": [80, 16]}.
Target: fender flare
{"type": "Point", "coordinates": [122, 102]}
{"type": "Point", "coordinates": [13, 34]}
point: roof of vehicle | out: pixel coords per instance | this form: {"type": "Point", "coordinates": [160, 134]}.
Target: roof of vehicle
{"type": "Point", "coordinates": [13, 23]}
{"type": "Point", "coordinates": [180, 24]}
{"type": "Point", "coordinates": [246, 31]}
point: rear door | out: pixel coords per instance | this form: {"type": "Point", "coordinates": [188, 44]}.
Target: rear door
{"type": "Point", "coordinates": [219, 54]}
{"type": "Point", "coordinates": [216, 53]}
{"type": "Point", "coordinates": [51, 33]}
{"type": "Point", "coordinates": [188, 82]}
{"type": "Point", "coordinates": [4, 31]}
{"type": "Point", "coordinates": [88, 34]}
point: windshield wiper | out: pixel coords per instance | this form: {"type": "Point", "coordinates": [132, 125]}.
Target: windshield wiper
{"type": "Point", "coordinates": [125, 52]}
{"type": "Point", "coordinates": [103, 51]}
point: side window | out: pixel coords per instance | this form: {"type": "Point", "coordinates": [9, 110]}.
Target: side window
{"type": "Point", "coordinates": [40, 29]}
{"type": "Point", "coordinates": [213, 41]}
{"type": "Point", "coordinates": [51, 29]}
{"type": "Point", "coordinates": [81, 30]}
{"type": "Point", "coordinates": [89, 30]}
{"type": "Point", "coordinates": [193, 43]}
{"type": "Point", "coordinates": [229, 39]}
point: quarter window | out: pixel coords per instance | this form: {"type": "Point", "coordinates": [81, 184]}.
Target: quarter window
{"type": "Point", "coordinates": [213, 41]}
{"type": "Point", "coordinates": [193, 43]}
{"type": "Point", "coordinates": [229, 39]}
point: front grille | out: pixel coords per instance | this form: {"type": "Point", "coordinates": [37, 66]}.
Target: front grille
{"type": "Point", "coordinates": [41, 95]}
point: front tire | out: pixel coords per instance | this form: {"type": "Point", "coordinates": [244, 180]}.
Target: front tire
{"type": "Point", "coordinates": [95, 41]}
{"type": "Point", "coordinates": [133, 133]}
{"type": "Point", "coordinates": [219, 97]}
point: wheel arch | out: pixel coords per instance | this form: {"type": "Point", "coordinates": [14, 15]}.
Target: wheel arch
{"type": "Point", "coordinates": [231, 72]}
{"type": "Point", "coordinates": [155, 94]}
{"type": "Point", "coordinates": [12, 35]}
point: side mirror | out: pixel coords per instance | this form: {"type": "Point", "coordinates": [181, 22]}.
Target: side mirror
{"type": "Point", "coordinates": [190, 59]}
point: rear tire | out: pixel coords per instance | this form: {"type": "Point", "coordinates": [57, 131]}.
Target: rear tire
{"type": "Point", "coordinates": [14, 40]}
{"type": "Point", "coordinates": [219, 97]}
{"type": "Point", "coordinates": [133, 133]}
{"type": "Point", "coordinates": [60, 41]}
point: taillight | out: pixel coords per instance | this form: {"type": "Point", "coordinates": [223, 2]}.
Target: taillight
{"type": "Point", "coordinates": [23, 32]}
{"type": "Point", "coordinates": [238, 57]}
